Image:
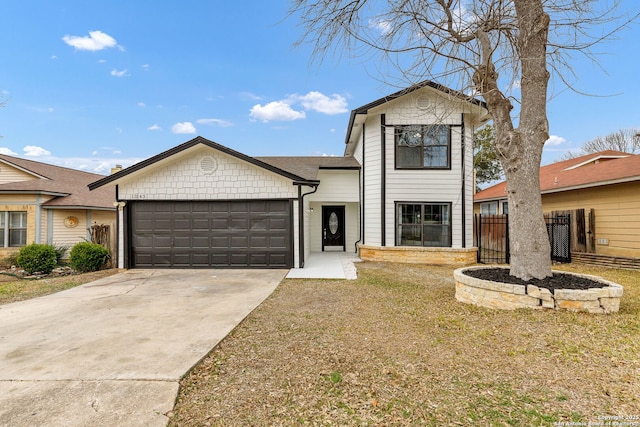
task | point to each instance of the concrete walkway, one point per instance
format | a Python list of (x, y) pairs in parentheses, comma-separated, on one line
[(111, 352), (327, 265)]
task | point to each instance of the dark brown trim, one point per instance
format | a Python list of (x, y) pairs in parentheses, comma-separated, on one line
[(383, 179), (363, 190), (464, 184), (195, 141), (346, 168)]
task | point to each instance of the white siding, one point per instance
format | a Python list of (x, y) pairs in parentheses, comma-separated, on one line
[(336, 186), (184, 180), (372, 184), (296, 234), (352, 225), (443, 186)]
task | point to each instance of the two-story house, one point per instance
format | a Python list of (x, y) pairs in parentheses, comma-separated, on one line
[(403, 191)]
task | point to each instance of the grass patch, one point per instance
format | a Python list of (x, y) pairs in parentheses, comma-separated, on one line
[(395, 348), (13, 289)]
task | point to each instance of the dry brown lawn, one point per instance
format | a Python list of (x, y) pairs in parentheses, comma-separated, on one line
[(14, 289), (395, 348)]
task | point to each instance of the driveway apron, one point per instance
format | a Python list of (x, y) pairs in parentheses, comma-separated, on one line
[(112, 352)]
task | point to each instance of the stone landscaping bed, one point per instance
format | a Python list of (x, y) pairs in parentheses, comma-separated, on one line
[(493, 287)]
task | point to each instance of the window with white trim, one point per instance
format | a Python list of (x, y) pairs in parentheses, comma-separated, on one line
[(489, 208), (13, 228)]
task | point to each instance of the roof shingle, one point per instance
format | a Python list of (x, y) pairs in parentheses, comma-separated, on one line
[(590, 170), (70, 185)]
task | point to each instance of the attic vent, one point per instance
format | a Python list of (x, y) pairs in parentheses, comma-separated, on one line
[(423, 102), (208, 165)]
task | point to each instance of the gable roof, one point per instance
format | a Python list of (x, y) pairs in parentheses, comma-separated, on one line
[(68, 186), (363, 110), (590, 170), (294, 170)]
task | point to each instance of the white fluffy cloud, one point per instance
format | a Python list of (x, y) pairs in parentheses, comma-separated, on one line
[(119, 73), (276, 111), (219, 122), (316, 101), (555, 140), (35, 151), (313, 101), (183, 128), (7, 151), (154, 127), (96, 40)]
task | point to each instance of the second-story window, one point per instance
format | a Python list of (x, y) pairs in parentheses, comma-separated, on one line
[(423, 147)]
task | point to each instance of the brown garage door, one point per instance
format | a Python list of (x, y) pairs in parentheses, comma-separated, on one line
[(254, 233)]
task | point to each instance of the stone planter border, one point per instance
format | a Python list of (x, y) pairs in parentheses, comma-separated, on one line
[(507, 296)]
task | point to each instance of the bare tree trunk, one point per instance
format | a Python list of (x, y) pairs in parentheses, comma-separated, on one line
[(520, 149), (531, 253)]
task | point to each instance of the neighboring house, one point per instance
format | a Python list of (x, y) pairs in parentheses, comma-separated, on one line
[(607, 182), (42, 203), (403, 190)]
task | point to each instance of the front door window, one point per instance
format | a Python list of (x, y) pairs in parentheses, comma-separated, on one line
[(333, 230)]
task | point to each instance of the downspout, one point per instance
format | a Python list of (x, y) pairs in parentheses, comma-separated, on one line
[(361, 186), (383, 179), (301, 218)]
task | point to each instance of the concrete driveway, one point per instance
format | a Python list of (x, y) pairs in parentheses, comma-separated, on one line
[(111, 352)]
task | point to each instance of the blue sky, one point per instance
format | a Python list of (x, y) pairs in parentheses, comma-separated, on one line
[(92, 84)]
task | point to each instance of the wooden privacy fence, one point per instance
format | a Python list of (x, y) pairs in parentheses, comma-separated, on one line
[(569, 231)]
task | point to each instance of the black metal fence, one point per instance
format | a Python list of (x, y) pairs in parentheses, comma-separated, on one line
[(492, 237)]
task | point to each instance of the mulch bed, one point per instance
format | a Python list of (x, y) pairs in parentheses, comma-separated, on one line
[(558, 281)]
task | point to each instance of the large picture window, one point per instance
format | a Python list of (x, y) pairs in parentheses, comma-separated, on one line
[(423, 147), (13, 228), (423, 224)]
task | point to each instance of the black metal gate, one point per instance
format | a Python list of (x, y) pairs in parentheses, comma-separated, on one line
[(559, 231), (492, 237)]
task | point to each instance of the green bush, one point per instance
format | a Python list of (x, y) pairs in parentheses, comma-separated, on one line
[(37, 258), (86, 256)]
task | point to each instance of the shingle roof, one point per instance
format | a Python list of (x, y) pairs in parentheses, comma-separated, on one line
[(307, 167), (426, 83), (69, 185), (591, 170), (295, 168)]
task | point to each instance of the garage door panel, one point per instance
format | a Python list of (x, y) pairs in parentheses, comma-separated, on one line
[(276, 242), (201, 234), (239, 242), (278, 224), (259, 242), (162, 242), (201, 242), (220, 242), (202, 224)]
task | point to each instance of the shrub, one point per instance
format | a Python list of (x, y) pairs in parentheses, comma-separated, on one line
[(11, 259), (37, 258), (60, 253), (86, 256)]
